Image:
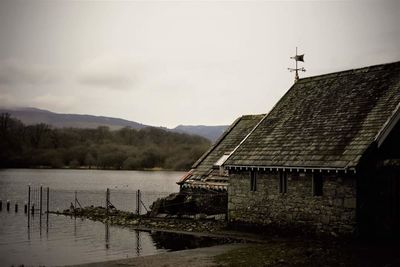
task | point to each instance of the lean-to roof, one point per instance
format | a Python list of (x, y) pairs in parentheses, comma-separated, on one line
[(229, 140)]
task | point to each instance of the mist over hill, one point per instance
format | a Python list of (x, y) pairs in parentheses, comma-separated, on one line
[(31, 116)]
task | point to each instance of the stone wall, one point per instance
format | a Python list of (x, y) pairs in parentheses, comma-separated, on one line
[(334, 212)]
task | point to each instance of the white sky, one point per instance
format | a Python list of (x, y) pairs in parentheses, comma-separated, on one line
[(166, 63)]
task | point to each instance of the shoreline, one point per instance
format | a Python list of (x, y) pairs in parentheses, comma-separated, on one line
[(244, 248)]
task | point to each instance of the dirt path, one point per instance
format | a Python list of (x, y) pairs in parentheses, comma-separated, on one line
[(199, 257)]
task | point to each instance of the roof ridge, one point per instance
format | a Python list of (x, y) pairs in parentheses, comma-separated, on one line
[(245, 138), (348, 71)]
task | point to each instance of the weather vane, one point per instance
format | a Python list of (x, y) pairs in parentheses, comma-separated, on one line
[(297, 58)]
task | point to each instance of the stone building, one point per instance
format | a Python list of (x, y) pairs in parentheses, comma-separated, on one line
[(326, 158), (207, 173)]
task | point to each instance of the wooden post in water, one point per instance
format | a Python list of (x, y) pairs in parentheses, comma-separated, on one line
[(29, 206), (107, 200), (16, 207), (41, 200), (8, 205), (29, 196), (25, 208), (1, 204), (47, 210)]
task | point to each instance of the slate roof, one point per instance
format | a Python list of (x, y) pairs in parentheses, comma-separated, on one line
[(325, 121), (202, 171)]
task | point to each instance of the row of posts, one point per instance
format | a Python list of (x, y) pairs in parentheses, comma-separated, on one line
[(30, 205), (8, 204)]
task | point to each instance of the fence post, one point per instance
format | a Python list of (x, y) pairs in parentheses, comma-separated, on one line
[(29, 205), (107, 200), (75, 200), (41, 198), (47, 201), (138, 200)]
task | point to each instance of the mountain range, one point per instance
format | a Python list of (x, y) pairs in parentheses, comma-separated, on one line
[(31, 116)]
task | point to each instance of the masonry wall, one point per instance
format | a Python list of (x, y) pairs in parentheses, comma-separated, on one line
[(334, 211)]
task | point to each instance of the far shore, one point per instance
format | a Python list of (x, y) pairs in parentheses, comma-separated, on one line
[(95, 169)]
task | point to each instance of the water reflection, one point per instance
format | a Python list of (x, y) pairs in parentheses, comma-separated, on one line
[(174, 241), (31, 222), (107, 235), (138, 243), (31, 228), (137, 239)]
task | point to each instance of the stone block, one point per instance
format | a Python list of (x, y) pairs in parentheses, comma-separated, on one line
[(338, 202), (325, 219), (350, 203)]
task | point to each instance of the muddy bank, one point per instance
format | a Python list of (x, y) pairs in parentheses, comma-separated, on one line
[(200, 257)]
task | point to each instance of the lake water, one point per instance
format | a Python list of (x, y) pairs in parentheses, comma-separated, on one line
[(61, 240), (90, 186)]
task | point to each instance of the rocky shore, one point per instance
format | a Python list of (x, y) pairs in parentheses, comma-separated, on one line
[(193, 223)]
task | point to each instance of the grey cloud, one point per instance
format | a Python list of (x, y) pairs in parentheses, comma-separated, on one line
[(109, 73), (107, 80), (13, 72)]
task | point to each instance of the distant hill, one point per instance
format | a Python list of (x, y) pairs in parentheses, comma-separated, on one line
[(31, 116), (210, 132)]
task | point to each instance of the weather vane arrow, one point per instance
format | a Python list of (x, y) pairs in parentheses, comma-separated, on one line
[(297, 58)]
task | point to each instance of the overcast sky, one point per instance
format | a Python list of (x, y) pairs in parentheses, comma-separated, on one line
[(166, 63)]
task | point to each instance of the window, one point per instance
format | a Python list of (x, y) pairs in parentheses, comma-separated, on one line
[(283, 182), (253, 181), (317, 184)]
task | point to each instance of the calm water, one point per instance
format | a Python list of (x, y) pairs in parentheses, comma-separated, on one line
[(63, 240), (90, 186)]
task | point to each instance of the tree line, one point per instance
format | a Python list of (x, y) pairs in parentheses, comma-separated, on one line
[(40, 145)]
